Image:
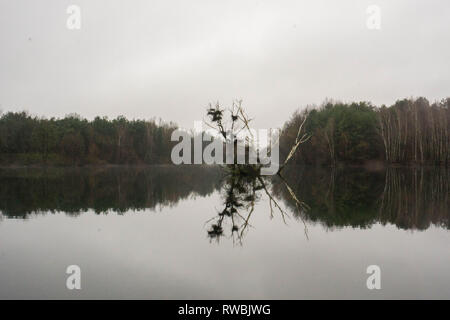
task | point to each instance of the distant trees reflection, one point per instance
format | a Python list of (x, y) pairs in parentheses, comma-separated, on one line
[(117, 189), (410, 198), (416, 198)]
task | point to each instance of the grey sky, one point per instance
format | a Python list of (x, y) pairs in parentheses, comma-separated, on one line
[(168, 59)]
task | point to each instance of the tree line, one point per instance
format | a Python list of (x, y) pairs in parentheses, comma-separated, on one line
[(25, 139), (411, 131)]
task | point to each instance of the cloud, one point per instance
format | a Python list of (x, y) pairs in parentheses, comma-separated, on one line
[(169, 59)]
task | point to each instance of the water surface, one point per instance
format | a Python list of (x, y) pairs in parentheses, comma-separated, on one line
[(146, 233)]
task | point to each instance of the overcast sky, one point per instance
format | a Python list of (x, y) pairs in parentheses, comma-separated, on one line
[(169, 59)]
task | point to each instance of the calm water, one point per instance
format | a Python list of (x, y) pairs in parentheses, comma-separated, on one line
[(191, 232)]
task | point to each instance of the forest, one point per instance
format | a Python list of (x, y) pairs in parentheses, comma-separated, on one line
[(409, 132), (25, 139)]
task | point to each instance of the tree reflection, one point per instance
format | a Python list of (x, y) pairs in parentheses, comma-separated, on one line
[(242, 189), (245, 182), (409, 198), (413, 199), (102, 189), (416, 198)]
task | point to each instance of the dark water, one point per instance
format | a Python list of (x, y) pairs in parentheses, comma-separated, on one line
[(172, 232)]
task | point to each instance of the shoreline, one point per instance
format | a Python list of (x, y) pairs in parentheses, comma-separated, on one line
[(375, 165)]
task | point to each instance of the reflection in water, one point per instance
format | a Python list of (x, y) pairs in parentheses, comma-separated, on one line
[(241, 190), (407, 198), (117, 189), (415, 199), (410, 198), (169, 256)]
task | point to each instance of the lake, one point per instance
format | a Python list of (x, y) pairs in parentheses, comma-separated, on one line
[(190, 232)]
